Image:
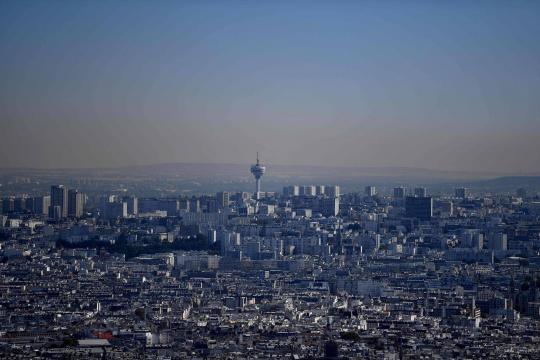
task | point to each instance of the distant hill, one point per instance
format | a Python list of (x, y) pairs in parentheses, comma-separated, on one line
[(508, 182), (241, 170), (288, 174)]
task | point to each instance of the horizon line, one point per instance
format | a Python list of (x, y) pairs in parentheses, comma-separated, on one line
[(351, 167)]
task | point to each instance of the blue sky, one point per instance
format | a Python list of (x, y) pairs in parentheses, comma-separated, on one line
[(438, 84)]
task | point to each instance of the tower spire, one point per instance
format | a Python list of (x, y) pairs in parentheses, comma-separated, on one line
[(258, 171)]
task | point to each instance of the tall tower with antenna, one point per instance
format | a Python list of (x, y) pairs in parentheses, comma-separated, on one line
[(258, 171)]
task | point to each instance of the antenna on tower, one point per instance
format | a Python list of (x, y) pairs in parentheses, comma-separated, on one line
[(257, 158)]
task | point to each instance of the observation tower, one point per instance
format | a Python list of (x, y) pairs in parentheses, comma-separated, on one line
[(258, 171)]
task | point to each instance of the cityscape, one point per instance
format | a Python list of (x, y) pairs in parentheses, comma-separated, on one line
[(304, 180), (304, 273)]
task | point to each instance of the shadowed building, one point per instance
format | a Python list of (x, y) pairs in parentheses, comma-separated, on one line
[(59, 199), (75, 203), (419, 207)]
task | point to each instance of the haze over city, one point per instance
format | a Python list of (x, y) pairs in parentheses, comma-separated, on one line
[(447, 85), (269, 179)]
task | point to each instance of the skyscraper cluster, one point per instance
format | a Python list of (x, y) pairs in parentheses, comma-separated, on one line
[(65, 203)]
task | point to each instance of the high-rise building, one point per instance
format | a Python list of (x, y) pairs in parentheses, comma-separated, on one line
[(461, 193), (210, 205), (55, 212), (59, 197), (211, 235), (183, 204), (329, 206), (114, 210), (29, 204), (222, 200), (8, 205), (41, 204), (258, 171), (370, 191), (498, 241), (292, 190), (399, 192), (419, 207), (150, 205), (19, 204), (478, 241), (75, 203), (332, 190), (132, 204), (170, 206), (320, 190), (308, 190), (194, 205), (420, 192)]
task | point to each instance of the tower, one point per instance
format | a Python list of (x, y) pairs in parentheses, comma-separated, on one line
[(59, 198), (258, 171), (75, 203)]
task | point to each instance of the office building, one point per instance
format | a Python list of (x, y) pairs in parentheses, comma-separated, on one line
[(55, 212), (332, 190), (370, 191), (29, 204), (114, 210), (399, 192), (150, 205), (8, 205), (329, 206), (212, 236), (498, 241), (222, 200), (41, 204), (19, 204), (419, 207), (308, 190), (183, 204), (478, 241), (132, 205), (194, 205), (75, 203), (290, 191), (59, 198), (420, 192)]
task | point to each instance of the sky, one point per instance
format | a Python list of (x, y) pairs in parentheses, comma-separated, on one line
[(448, 85)]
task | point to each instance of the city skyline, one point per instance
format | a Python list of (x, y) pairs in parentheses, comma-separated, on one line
[(305, 179), (447, 86)]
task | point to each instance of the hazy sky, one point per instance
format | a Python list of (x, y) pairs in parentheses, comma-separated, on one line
[(449, 85)]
